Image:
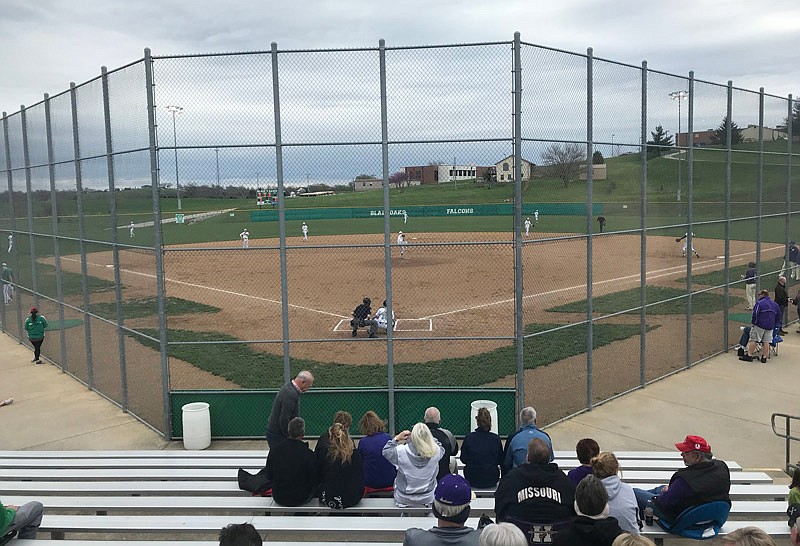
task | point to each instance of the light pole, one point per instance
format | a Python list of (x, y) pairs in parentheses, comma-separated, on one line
[(216, 150), (612, 144), (173, 109), (679, 96)]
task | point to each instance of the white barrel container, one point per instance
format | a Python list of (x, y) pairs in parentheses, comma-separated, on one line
[(489, 405), (196, 426)]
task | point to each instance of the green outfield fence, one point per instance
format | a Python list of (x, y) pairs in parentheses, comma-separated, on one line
[(126, 200)]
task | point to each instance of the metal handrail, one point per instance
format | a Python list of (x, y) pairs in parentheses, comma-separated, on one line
[(787, 435)]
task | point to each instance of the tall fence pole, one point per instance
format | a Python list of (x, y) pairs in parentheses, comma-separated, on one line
[(51, 170), (589, 223), (158, 243), (28, 188), (726, 291), (689, 218), (760, 196), (112, 204), (789, 137), (387, 237), (11, 209), (643, 238), (519, 325), (276, 100), (76, 146)]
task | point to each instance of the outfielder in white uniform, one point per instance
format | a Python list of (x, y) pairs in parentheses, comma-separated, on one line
[(401, 241), (132, 226), (527, 226), (536, 215), (7, 279), (304, 229), (245, 237), (405, 217), (10, 242)]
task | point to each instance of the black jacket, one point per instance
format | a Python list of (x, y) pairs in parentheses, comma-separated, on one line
[(583, 531), (342, 485), (709, 481), (781, 296), (291, 467), (450, 445), (539, 493), (285, 407)]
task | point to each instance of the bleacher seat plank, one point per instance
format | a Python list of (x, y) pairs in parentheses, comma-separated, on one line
[(50, 542), (233, 463)]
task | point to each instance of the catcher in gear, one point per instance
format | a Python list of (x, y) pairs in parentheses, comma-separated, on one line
[(361, 318)]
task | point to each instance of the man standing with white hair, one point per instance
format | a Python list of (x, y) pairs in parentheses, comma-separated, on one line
[(286, 407), (451, 506), (433, 418), (517, 444)]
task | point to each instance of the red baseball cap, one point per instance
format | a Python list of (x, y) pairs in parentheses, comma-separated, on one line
[(34, 309), (693, 443)]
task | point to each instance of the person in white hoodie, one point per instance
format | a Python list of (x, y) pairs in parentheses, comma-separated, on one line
[(416, 455), (621, 498)]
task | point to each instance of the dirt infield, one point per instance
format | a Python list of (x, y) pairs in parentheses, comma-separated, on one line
[(452, 284)]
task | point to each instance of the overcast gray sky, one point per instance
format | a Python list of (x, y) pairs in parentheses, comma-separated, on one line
[(48, 43)]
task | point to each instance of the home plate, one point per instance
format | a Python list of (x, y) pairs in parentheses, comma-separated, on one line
[(110, 266)]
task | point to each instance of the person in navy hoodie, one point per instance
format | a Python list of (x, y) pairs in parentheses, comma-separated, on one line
[(482, 453), (378, 472)]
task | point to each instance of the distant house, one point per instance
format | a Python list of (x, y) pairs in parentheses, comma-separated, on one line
[(505, 169), (699, 138), (366, 184), (440, 174), (750, 134)]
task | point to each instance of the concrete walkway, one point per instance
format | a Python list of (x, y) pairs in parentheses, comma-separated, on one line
[(727, 401)]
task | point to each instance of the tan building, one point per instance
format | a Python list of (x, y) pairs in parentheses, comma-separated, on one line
[(441, 174), (598, 172), (366, 184), (750, 134), (505, 169)]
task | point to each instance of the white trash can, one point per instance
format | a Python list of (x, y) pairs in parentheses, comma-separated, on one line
[(489, 405), (196, 426)]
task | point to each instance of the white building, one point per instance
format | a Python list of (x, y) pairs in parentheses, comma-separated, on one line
[(505, 169)]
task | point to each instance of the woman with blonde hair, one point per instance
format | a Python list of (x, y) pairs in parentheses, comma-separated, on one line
[(415, 454), (341, 472), (378, 472), (321, 450), (621, 498)]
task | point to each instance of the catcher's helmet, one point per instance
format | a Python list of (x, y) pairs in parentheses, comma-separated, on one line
[(367, 301)]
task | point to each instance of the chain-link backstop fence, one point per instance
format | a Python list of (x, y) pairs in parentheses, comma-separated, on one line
[(201, 227)]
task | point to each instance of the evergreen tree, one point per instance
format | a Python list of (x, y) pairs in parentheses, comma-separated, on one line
[(660, 144), (720, 134), (597, 158), (795, 119)]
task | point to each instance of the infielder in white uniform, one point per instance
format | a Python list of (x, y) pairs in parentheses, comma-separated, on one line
[(405, 217), (536, 215), (527, 226), (304, 229), (10, 242), (132, 226), (245, 237), (401, 241), (683, 250)]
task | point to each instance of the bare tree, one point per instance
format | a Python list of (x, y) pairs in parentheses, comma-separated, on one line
[(564, 161)]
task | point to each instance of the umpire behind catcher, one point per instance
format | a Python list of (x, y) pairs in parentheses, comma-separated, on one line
[(361, 318)]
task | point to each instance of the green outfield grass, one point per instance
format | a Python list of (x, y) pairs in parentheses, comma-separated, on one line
[(702, 303), (147, 307), (255, 370)]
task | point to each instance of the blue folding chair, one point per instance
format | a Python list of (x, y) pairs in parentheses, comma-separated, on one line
[(699, 522)]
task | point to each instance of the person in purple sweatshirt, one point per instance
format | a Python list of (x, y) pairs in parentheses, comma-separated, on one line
[(585, 449)]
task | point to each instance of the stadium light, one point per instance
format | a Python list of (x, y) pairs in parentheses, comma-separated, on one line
[(173, 109), (679, 96)]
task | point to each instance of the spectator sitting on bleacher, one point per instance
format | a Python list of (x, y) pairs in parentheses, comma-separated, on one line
[(291, 467), (341, 472), (416, 455), (537, 491), (704, 480), (321, 449), (239, 534), (585, 449), (482, 453), (516, 451), (451, 506), (592, 526), (378, 472), (748, 536), (621, 499), (502, 534), (433, 418), (24, 520)]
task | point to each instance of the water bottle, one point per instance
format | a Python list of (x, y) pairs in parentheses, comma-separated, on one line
[(648, 515)]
